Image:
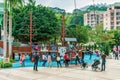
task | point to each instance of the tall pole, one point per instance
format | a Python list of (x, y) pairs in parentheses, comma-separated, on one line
[(63, 29), (31, 31)]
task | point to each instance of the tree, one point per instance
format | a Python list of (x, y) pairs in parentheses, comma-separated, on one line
[(101, 37), (5, 29), (46, 25), (117, 36), (79, 32), (12, 3)]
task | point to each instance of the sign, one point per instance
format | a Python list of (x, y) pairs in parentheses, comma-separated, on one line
[(62, 50)]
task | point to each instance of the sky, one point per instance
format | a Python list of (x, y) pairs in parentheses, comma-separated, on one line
[(68, 5)]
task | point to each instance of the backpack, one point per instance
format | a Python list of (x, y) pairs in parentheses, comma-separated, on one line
[(66, 57), (36, 47)]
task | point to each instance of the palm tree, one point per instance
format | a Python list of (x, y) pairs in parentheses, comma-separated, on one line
[(12, 3), (9, 4), (5, 29)]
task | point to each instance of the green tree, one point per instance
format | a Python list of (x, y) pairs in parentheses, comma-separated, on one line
[(117, 36), (12, 4), (45, 23), (79, 32), (102, 38)]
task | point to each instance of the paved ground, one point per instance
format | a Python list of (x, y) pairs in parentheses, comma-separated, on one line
[(72, 73)]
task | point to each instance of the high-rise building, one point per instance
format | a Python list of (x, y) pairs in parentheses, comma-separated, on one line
[(1, 17), (93, 18), (112, 18)]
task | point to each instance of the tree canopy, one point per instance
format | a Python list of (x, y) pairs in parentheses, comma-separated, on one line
[(45, 24)]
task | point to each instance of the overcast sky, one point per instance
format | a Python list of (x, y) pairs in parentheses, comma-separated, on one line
[(68, 5)]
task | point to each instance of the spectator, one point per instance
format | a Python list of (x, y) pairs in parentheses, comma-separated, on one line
[(44, 58), (77, 58), (49, 60), (36, 58), (58, 60), (66, 59), (22, 60), (103, 65)]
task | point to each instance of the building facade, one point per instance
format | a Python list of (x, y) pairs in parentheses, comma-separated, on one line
[(112, 18), (93, 18), (1, 12)]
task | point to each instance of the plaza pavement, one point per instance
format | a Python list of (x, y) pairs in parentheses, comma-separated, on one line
[(72, 73)]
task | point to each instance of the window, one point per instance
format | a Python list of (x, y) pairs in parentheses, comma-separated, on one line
[(117, 23), (112, 27), (117, 18), (112, 14), (117, 13), (112, 23), (112, 18)]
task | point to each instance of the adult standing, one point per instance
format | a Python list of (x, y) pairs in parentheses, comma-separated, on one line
[(44, 58), (91, 53), (36, 58), (77, 58), (83, 53), (58, 60), (66, 59), (49, 59), (103, 65), (116, 55)]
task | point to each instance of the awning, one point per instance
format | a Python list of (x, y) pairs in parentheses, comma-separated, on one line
[(71, 39)]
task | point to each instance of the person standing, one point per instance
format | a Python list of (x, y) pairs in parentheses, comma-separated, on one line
[(116, 55), (36, 58), (44, 58), (83, 53), (49, 59), (22, 60), (77, 58), (66, 59), (90, 53), (58, 60), (103, 65)]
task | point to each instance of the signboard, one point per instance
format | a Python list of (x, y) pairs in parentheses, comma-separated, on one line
[(62, 50)]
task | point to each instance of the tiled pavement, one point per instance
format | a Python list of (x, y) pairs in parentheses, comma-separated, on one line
[(72, 73)]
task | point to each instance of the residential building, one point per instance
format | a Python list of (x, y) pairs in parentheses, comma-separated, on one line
[(93, 18), (1, 12), (112, 18)]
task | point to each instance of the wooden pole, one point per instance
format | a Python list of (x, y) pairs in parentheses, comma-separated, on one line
[(63, 30), (31, 31)]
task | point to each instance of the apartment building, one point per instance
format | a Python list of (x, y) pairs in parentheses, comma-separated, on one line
[(93, 18), (112, 18), (1, 11)]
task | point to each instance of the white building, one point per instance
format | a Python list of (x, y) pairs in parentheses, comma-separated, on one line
[(93, 18), (112, 18)]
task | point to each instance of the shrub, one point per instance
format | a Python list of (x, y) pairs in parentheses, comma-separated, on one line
[(12, 61), (5, 65), (1, 63)]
